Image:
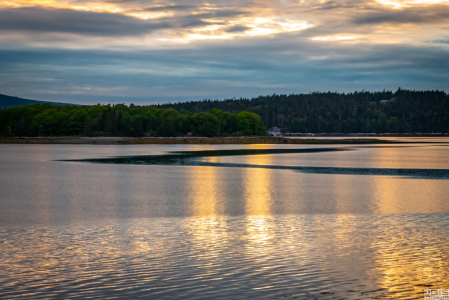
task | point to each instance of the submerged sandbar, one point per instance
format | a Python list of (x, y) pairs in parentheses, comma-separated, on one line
[(188, 140)]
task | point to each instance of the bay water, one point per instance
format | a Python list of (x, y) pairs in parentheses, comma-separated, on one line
[(269, 222)]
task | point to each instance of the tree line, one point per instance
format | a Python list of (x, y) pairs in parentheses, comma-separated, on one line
[(318, 112), (332, 112), (121, 120)]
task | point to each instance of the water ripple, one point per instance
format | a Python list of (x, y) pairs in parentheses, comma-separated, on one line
[(321, 256)]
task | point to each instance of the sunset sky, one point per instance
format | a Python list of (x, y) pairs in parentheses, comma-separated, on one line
[(144, 51)]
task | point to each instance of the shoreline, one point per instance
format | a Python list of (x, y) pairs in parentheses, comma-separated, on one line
[(351, 139)]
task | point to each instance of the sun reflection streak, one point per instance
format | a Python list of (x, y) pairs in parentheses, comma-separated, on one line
[(204, 186), (259, 224), (207, 229), (398, 267), (258, 186)]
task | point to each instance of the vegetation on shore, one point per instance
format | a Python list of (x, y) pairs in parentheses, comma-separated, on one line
[(121, 120), (332, 112), (250, 140), (403, 111)]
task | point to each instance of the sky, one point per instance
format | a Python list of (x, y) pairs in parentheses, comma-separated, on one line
[(146, 51)]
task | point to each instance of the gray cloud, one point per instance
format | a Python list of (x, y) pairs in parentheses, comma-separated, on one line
[(441, 41), (35, 19), (223, 13), (329, 5), (237, 28), (72, 21), (430, 14), (170, 8)]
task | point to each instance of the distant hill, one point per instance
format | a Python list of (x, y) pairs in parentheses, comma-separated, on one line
[(9, 101)]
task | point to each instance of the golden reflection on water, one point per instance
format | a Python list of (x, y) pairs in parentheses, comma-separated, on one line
[(204, 186), (396, 267), (258, 186), (398, 195), (207, 230), (404, 272), (387, 194), (393, 195), (393, 253), (209, 234), (258, 197)]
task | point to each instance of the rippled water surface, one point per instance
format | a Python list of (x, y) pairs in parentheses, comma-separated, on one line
[(277, 223)]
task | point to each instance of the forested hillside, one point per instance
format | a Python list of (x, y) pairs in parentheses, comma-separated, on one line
[(358, 112), (10, 101), (121, 120)]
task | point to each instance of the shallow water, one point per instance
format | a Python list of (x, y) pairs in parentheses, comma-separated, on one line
[(219, 227)]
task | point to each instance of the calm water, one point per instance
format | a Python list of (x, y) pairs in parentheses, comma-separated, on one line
[(316, 224)]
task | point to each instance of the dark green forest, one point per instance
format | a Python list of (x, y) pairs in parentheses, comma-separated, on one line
[(404, 111), (332, 112), (121, 120)]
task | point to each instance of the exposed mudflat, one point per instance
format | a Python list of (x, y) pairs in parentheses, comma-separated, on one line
[(186, 140)]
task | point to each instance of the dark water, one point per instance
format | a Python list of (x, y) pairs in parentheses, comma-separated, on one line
[(272, 221)]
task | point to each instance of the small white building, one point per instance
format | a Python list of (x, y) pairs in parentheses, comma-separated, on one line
[(385, 102), (274, 131)]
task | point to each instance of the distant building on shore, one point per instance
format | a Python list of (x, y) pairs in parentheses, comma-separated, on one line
[(385, 102), (274, 131)]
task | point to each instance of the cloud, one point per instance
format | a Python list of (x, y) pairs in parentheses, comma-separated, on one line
[(35, 19), (431, 14), (238, 28), (223, 13), (32, 19), (170, 8), (282, 64), (329, 5), (441, 41), (79, 54)]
